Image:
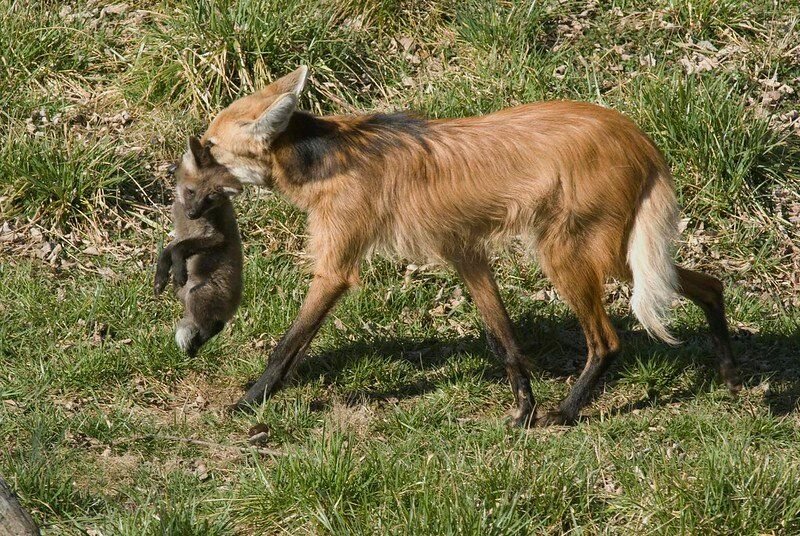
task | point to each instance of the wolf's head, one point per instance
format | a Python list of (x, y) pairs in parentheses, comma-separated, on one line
[(202, 182), (241, 134)]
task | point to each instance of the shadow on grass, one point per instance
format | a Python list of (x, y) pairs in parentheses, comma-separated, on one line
[(556, 349)]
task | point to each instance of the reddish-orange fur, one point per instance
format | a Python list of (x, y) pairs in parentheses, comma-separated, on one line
[(571, 180)]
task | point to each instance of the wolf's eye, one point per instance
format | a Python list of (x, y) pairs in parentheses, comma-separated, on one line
[(190, 192)]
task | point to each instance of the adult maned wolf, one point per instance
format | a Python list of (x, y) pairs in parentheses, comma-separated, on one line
[(580, 184)]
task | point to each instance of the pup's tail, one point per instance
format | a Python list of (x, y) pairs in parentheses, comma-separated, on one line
[(191, 336), (186, 335)]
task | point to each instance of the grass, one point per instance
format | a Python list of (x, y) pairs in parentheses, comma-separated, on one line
[(56, 180), (396, 422), (395, 435), (731, 151)]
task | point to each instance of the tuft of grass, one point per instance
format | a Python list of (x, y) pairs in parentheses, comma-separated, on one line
[(62, 181), (653, 374), (709, 18), (209, 52), (38, 472), (724, 154), (721, 481), (186, 521), (41, 52)]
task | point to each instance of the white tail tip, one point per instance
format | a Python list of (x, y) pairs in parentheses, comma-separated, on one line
[(184, 335), (655, 280)]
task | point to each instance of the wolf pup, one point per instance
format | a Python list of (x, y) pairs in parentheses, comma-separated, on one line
[(206, 255)]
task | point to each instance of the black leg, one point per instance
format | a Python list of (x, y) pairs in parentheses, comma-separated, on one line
[(322, 296)]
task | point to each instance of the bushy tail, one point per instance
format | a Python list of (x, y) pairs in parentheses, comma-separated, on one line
[(186, 334), (191, 336), (655, 281)]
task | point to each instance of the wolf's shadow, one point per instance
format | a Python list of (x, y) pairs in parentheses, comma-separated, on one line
[(556, 349)]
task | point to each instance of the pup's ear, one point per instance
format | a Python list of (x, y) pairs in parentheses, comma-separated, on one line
[(293, 82), (196, 148), (193, 155), (275, 119)]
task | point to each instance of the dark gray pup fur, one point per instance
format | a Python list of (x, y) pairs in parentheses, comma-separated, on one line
[(205, 258)]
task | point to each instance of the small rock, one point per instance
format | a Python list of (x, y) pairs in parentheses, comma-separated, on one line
[(771, 98), (258, 434), (258, 428), (258, 439), (201, 472)]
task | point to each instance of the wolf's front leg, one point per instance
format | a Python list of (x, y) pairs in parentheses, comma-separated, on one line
[(322, 296)]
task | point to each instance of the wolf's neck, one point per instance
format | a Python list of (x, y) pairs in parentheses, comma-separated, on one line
[(316, 148)]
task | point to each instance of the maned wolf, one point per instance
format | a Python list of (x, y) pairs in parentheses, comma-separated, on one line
[(580, 184), (206, 255)]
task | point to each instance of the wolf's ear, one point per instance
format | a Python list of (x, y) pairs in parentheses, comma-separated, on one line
[(231, 187), (293, 82), (275, 119)]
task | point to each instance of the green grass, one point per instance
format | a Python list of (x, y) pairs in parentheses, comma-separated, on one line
[(207, 52), (396, 424), (57, 180), (395, 435), (726, 153)]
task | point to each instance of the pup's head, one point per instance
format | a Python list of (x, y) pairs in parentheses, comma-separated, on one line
[(242, 133), (203, 183)]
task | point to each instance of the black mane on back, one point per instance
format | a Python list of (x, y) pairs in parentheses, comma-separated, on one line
[(321, 147)]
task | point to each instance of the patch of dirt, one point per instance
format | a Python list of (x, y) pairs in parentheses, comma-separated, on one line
[(186, 401), (110, 473), (355, 418), (116, 469)]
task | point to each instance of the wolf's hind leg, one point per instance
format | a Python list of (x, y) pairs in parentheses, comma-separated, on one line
[(706, 292), (578, 275)]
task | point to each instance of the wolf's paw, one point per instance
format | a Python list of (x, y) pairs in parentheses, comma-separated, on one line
[(553, 418)]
